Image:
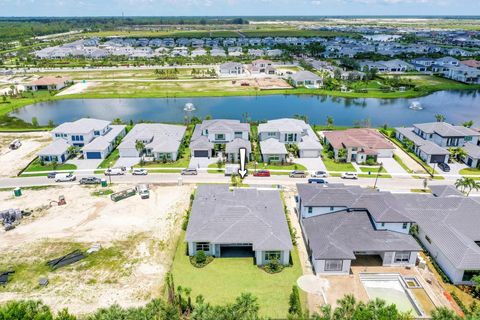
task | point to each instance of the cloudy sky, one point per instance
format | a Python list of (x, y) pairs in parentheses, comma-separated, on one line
[(236, 7)]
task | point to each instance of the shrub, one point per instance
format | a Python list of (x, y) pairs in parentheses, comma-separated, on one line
[(370, 162), (200, 257), (295, 306), (273, 266)]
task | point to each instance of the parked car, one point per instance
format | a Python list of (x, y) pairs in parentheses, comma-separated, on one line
[(319, 174), (15, 144), (65, 177), (115, 172), (90, 180), (262, 173), (143, 191), (317, 180), (297, 174), (51, 175), (189, 172), (349, 175), (444, 167), (139, 172)]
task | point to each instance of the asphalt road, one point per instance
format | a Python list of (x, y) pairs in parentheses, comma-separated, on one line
[(395, 184)]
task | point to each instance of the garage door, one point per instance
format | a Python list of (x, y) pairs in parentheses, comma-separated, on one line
[(200, 153), (437, 159), (94, 155), (310, 154)]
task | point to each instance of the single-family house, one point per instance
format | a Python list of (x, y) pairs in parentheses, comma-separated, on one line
[(471, 63), (346, 226), (57, 151), (430, 141), (230, 135), (83, 133), (306, 79), (232, 69), (161, 141), (262, 66), (360, 144), (239, 223), (464, 74), (48, 83), (287, 131)]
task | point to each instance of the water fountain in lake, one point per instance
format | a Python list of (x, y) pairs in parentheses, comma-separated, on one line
[(415, 105)]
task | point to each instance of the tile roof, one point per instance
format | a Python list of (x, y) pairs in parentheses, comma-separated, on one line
[(161, 137), (240, 216), (472, 150), (49, 80), (445, 129), (272, 146), (367, 139)]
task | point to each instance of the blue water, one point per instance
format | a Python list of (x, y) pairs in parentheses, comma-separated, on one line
[(457, 106)]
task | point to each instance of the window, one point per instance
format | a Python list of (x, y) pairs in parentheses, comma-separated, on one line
[(272, 255), (383, 224), (333, 265), (428, 239), (404, 225), (96, 132), (310, 209), (271, 134), (402, 257), (220, 136), (203, 246), (331, 208)]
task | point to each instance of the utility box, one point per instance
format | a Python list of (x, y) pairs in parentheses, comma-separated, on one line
[(104, 183), (17, 192)]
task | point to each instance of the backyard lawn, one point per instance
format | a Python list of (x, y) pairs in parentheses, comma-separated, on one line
[(36, 166), (224, 279)]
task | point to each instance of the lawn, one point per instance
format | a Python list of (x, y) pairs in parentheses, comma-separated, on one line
[(373, 172), (36, 166), (224, 279), (110, 160), (263, 166), (470, 171), (331, 165)]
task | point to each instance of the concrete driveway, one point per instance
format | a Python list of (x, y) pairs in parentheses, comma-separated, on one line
[(312, 164), (201, 162), (392, 166), (127, 162), (455, 168), (86, 164)]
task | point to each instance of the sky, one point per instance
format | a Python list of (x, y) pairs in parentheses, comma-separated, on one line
[(236, 7)]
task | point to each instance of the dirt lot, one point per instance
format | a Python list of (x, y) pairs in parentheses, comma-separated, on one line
[(138, 238), (12, 161)]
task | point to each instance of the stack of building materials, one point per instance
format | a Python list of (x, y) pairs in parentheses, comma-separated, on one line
[(10, 218), (70, 258)]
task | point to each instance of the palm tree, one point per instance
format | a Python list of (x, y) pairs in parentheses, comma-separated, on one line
[(346, 307), (457, 153), (466, 183), (468, 124), (329, 122), (342, 153), (440, 117), (140, 146)]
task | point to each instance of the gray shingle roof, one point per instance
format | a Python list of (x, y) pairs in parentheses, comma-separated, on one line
[(103, 142), (164, 137), (472, 150), (239, 216), (81, 126), (235, 144), (339, 235), (272, 146), (445, 129), (57, 147)]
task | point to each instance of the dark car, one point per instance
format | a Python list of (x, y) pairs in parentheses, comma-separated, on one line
[(444, 167), (316, 180), (262, 173), (51, 175), (90, 180)]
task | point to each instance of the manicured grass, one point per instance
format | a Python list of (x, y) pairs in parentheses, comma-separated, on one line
[(110, 160), (180, 163), (224, 279), (401, 163), (421, 190), (263, 166), (470, 171), (331, 165), (36, 166), (373, 171)]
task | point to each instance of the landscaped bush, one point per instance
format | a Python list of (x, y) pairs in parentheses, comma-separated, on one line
[(200, 259), (370, 162), (273, 266)]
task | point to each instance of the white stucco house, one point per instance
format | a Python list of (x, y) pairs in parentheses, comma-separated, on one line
[(239, 223)]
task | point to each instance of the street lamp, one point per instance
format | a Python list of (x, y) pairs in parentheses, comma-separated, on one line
[(378, 173)]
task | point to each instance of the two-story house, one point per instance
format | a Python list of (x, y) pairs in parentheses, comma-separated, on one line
[(230, 135), (275, 134), (262, 66), (359, 144), (431, 141), (95, 137), (349, 225)]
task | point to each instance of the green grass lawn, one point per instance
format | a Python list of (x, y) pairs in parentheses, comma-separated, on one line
[(262, 166), (110, 160), (331, 165), (373, 171), (224, 279), (36, 166), (180, 163), (401, 163), (470, 171)]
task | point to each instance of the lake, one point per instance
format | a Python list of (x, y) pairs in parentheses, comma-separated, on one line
[(457, 106)]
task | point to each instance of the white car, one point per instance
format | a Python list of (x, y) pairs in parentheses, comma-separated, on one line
[(114, 172), (349, 175), (139, 172), (65, 177), (320, 174)]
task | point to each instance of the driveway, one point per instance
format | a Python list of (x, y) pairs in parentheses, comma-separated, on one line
[(86, 164), (312, 164), (201, 162), (392, 166), (455, 168), (127, 162)]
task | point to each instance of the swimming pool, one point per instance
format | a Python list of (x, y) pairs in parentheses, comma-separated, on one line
[(391, 289)]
